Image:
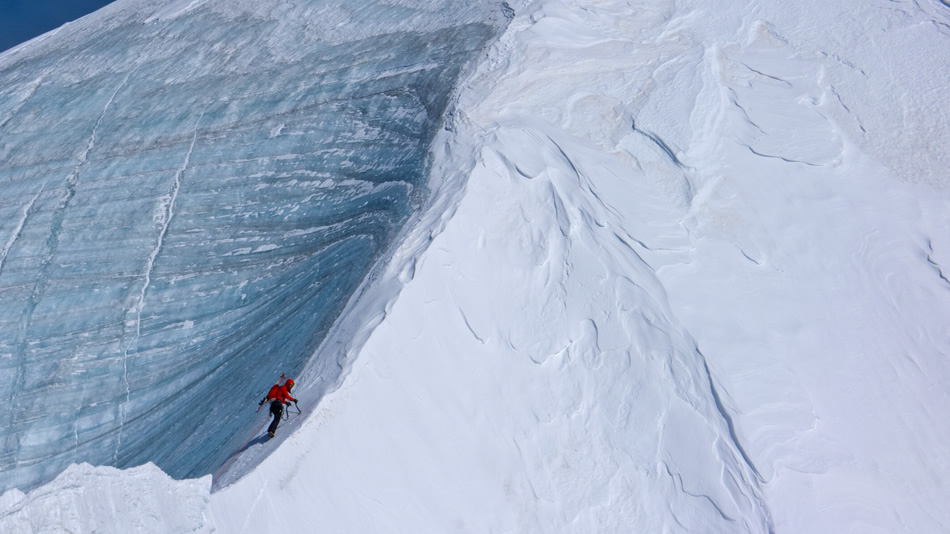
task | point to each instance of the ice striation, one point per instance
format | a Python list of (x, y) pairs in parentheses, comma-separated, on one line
[(188, 202)]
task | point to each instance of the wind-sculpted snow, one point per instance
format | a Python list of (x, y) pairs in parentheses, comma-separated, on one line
[(187, 203)]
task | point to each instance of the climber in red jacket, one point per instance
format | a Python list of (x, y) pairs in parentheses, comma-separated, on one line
[(278, 396)]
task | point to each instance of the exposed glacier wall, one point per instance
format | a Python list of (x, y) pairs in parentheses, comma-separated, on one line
[(188, 202)]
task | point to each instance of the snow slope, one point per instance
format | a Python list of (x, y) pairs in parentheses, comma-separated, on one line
[(686, 270)]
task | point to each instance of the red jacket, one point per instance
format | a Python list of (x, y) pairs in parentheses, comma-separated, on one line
[(280, 393)]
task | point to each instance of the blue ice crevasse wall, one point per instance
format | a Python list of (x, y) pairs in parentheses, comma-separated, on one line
[(188, 198)]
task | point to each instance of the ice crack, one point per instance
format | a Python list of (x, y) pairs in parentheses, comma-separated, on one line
[(42, 279), (764, 75), (469, 326), (27, 210), (679, 483), (169, 212), (935, 264), (30, 93), (730, 424), (659, 142), (786, 160)]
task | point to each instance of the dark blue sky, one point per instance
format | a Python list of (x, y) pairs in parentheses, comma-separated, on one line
[(22, 20)]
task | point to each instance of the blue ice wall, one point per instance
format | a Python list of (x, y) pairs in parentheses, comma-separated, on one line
[(187, 201)]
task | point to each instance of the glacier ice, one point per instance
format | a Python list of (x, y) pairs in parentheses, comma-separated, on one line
[(187, 203)]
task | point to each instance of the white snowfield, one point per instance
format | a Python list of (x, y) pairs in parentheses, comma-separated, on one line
[(686, 271)]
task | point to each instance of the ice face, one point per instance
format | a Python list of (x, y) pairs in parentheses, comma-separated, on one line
[(189, 194)]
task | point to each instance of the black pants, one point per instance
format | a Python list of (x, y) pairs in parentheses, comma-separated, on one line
[(276, 408)]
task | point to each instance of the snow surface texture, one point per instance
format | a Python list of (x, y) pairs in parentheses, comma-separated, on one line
[(103, 499), (695, 280), (189, 195)]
